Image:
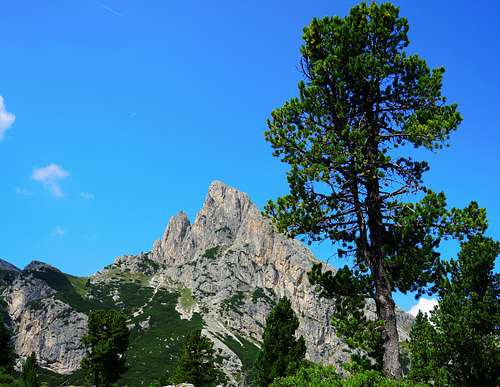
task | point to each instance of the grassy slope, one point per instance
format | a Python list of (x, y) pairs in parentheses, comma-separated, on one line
[(152, 351)]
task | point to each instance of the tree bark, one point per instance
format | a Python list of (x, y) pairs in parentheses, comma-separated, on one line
[(386, 311), (386, 308)]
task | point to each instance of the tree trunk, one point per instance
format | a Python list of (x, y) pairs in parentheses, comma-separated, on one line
[(386, 308), (386, 311)]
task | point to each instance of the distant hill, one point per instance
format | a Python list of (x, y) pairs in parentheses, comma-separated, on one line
[(222, 273)]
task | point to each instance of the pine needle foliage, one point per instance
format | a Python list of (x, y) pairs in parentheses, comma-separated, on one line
[(282, 353), (106, 342)]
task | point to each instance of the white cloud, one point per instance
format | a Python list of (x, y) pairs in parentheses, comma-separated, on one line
[(59, 232), (22, 191), (50, 176), (6, 119), (87, 195), (424, 305)]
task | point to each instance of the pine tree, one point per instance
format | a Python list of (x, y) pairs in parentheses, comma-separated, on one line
[(106, 342), (7, 354), (29, 373), (426, 361), (196, 362), (459, 346), (363, 104), (281, 353)]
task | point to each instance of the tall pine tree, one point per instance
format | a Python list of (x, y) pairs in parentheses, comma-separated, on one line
[(363, 104), (281, 353), (106, 342), (459, 346)]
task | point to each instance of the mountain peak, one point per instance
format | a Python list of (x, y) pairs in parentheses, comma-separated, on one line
[(221, 193), (4, 265), (218, 184), (39, 266), (225, 203)]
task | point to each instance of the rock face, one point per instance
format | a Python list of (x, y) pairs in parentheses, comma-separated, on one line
[(237, 266), (228, 268), (44, 325)]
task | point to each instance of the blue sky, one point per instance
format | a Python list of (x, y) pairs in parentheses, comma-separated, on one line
[(125, 111)]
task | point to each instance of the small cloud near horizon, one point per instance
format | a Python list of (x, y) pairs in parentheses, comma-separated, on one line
[(22, 191), (6, 119), (59, 231), (87, 195), (424, 305), (50, 177)]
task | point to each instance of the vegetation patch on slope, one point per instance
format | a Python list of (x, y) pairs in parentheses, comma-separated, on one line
[(153, 351), (259, 294), (186, 298), (244, 349), (234, 303), (212, 252), (69, 289)]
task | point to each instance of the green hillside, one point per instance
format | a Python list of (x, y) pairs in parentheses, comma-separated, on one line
[(157, 330)]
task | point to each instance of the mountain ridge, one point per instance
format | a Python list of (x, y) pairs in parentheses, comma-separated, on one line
[(223, 273)]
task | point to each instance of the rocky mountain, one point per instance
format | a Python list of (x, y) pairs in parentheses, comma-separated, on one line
[(222, 273)]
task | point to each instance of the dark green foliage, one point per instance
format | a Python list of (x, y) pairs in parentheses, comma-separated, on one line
[(6, 277), (7, 380), (29, 374), (7, 354), (426, 361), (212, 253), (226, 230), (234, 303), (281, 353), (245, 350), (147, 265), (260, 294), (363, 104), (66, 292), (52, 379), (151, 352), (315, 375), (106, 342), (377, 379), (196, 362), (132, 295), (326, 376), (461, 346)]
